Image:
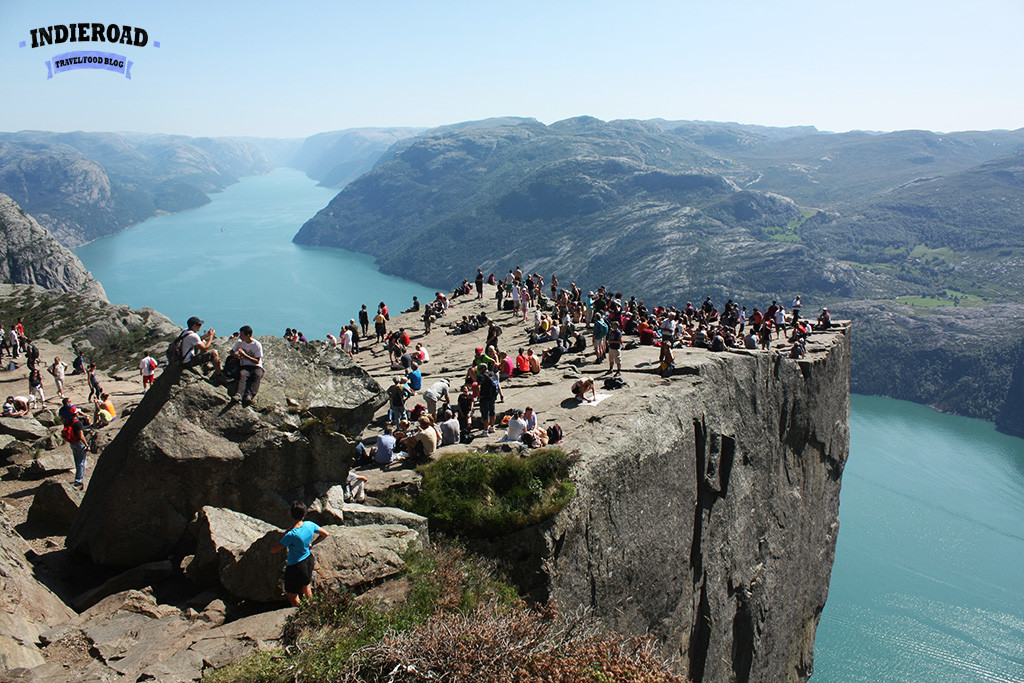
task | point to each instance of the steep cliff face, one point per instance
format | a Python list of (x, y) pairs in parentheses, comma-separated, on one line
[(707, 512), (30, 255), (1011, 418)]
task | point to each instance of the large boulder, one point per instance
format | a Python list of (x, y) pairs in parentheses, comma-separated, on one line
[(55, 502), (236, 551), (222, 537), (187, 446), (27, 607)]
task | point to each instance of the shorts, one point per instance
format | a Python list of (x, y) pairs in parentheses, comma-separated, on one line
[(486, 408), (613, 355), (299, 575)]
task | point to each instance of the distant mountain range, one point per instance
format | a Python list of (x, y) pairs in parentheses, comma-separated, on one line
[(914, 234), (919, 222)]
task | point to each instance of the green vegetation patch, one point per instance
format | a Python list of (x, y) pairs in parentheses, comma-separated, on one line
[(946, 297), (488, 494)]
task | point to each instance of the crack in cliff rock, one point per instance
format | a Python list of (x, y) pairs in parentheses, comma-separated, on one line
[(700, 636)]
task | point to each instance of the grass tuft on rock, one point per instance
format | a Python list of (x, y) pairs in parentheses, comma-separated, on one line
[(489, 494)]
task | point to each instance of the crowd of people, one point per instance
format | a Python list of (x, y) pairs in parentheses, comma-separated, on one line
[(600, 324)]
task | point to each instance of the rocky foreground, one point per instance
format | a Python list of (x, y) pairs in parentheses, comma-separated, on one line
[(706, 510)]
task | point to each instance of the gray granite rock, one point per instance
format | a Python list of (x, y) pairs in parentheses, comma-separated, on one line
[(187, 446), (55, 502), (23, 428)]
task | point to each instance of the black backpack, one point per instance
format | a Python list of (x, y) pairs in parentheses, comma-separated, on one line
[(174, 354), (554, 434), (489, 385)]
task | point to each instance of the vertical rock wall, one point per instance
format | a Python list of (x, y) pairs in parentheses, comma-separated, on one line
[(707, 511)]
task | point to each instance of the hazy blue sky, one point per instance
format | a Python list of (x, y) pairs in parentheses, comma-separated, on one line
[(292, 69)]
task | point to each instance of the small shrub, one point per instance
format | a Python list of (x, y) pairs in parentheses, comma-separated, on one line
[(485, 494)]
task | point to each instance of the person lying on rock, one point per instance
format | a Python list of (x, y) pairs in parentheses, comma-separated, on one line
[(298, 573)]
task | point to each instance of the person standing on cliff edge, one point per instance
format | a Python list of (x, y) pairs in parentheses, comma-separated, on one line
[(298, 573)]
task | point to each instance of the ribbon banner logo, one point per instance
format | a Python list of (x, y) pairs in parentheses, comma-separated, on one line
[(70, 61), (83, 32)]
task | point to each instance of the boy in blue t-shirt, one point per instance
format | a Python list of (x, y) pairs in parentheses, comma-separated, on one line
[(298, 574)]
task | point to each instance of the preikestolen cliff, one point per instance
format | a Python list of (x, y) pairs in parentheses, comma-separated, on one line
[(680, 524)]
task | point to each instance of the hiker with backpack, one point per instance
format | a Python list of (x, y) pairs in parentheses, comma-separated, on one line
[(74, 434), (489, 389), (147, 367), (191, 349)]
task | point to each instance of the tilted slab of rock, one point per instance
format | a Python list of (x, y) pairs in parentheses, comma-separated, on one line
[(23, 428), (27, 607), (55, 502), (222, 538), (185, 446), (331, 508)]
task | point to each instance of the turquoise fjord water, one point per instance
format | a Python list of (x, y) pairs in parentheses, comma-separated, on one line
[(927, 581), (232, 262)]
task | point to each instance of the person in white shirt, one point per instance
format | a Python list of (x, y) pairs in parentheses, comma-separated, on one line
[(57, 370), (147, 366), (346, 340), (197, 349), (249, 353), (516, 427)]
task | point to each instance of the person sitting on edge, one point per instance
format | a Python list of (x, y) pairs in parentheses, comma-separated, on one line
[(355, 488), (506, 367), (249, 352), (197, 349), (423, 443), (824, 320), (531, 418), (516, 427), (298, 574)]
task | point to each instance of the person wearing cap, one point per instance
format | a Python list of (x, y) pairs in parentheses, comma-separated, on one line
[(79, 447), (196, 349)]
